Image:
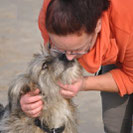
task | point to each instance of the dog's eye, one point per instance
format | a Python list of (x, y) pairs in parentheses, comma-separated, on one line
[(44, 66)]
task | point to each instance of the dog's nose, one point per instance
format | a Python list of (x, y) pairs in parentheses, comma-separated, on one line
[(62, 57)]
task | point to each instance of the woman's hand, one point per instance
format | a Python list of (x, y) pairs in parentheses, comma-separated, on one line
[(31, 103), (69, 91)]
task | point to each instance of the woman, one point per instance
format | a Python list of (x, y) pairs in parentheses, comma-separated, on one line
[(97, 33)]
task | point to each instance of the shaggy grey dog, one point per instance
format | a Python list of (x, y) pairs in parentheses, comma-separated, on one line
[(58, 114)]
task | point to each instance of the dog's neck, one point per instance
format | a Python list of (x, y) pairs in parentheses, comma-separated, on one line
[(45, 128)]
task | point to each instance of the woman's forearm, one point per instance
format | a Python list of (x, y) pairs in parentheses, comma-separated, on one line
[(104, 82)]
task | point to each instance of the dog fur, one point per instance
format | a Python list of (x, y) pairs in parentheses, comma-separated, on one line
[(44, 71)]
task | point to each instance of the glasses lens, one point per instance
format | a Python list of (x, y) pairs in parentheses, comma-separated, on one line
[(54, 49)]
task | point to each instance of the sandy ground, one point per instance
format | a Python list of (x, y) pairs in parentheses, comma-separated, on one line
[(19, 39)]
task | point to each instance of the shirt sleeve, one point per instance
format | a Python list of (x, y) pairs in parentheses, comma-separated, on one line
[(41, 21), (124, 76)]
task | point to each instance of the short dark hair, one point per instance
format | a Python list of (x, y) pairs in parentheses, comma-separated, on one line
[(65, 17)]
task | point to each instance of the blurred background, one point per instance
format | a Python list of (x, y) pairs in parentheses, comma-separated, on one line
[(19, 39)]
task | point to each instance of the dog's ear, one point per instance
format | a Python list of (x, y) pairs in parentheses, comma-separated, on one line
[(44, 49), (19, 86), (37, 63)]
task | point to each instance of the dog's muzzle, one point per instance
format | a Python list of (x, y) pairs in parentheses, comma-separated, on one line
[(45, 128)]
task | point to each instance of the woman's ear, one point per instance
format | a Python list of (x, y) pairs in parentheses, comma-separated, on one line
[(98, 26)]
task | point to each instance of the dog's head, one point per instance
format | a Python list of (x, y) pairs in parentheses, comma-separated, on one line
[(44, 71), (53, 64)]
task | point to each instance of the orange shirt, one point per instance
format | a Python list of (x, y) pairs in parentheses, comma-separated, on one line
[(114, 44)]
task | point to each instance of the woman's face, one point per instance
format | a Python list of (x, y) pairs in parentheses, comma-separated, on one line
[(73, 45)]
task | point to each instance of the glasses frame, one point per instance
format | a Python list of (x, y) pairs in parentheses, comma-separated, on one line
[(55, 49)]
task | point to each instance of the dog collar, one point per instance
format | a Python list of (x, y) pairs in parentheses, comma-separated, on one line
[(45, 128)]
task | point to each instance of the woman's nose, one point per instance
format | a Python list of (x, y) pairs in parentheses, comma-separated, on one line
[(70, 57)]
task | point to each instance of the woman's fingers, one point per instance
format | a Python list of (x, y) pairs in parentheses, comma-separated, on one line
[(66, 93), (35, 111), (31, 103), (36, 115), (27, 99), (36, 92), (71, 90)]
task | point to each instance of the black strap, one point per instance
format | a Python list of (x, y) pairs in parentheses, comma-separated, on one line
[(46, 128)]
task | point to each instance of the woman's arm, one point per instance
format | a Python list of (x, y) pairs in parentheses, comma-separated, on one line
[(104, 82)]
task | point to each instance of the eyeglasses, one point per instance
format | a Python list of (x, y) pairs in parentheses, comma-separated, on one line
[(53, 48)]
